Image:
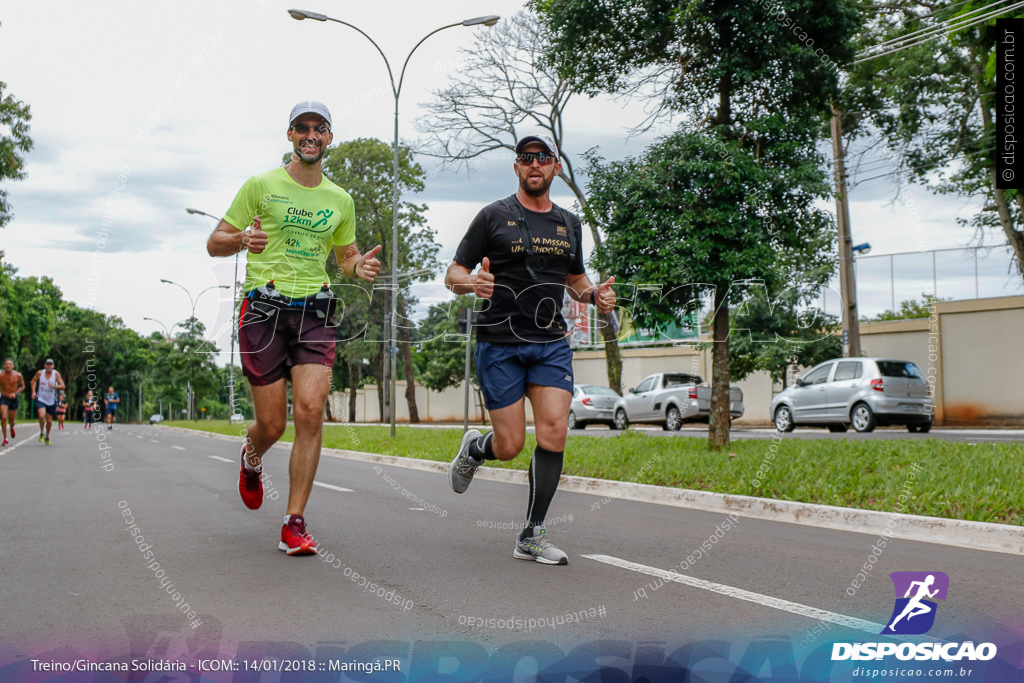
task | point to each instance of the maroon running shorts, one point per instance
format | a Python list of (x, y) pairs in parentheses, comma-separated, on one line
[(271, 341)]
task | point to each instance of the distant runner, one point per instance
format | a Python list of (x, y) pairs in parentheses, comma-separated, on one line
[(110, 402), (88, 408), (62, 409), (45, 385), (11, 384)]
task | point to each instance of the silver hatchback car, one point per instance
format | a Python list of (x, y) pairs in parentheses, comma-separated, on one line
[(592, 404), (863, 392)]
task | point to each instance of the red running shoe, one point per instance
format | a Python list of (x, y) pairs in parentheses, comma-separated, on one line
[(294, 539), (250, 485), (12, 431)]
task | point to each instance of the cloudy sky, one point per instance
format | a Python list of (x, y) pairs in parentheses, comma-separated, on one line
[(141, 109)]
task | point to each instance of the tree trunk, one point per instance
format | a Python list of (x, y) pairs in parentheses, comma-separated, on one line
[(355, 372), (405, 340), (718, 428), (1014, 236), (612, 356)]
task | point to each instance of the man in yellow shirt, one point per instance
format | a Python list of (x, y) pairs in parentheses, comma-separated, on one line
[(289, 219)]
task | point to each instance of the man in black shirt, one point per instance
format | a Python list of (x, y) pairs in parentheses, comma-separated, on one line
[(529, 251)]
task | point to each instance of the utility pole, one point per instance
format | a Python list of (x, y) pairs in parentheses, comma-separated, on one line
[(847, 282)]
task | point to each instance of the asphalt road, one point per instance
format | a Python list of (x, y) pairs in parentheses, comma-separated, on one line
[(74, 577)]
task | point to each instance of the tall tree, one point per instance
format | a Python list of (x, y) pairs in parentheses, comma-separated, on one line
[(14, 139), (932, 95), (364, 168), (691, 214), (507, 88)]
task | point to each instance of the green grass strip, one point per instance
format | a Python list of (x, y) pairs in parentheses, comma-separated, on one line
[(952, 479)]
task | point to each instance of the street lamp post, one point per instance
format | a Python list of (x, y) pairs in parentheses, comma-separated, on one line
[(489, 20), (234, 326), (194, 302)]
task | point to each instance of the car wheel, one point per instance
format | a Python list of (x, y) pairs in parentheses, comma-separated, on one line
[(920, 427), (621, 421), (837, 427), (784, 419), (863, 418), (571, 422), (673, 420)]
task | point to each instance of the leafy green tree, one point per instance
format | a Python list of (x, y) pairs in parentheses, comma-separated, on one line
[(771, 335), (934, 101), (908, 310), (731, 196), (364, 168), (14, 141), (505, 88)]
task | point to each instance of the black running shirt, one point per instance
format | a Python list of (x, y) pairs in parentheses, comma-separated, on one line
[(522, 309)]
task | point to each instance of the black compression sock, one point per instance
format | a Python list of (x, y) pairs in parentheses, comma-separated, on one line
[(545, 470), (481, 449)]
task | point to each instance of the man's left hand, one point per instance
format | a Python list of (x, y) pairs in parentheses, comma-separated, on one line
[(368, 266), (604, 296)]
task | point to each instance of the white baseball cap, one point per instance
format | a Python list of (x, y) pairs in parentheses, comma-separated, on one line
[(310, 107), (545, 140)]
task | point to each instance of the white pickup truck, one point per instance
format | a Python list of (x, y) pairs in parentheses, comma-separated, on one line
[(669, 399)]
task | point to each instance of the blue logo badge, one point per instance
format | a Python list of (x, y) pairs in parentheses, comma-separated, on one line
[(914, 611)]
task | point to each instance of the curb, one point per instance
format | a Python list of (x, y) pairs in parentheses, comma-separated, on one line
[(986, 536)]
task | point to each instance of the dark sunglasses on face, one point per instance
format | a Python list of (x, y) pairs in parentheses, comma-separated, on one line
[(543, 158), (302, 128)]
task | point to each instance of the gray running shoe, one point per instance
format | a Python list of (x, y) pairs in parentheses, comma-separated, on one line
[(463, 467), (539, 549)]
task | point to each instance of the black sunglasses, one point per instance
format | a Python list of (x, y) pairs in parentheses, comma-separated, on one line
[(543, 158), (302, 128)]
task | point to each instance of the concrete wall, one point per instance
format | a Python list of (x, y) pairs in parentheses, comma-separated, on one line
[(971, 353), (969, 350)]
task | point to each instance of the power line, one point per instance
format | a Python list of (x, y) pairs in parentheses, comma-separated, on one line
[(932, 29), (939, 32), (918, 168)]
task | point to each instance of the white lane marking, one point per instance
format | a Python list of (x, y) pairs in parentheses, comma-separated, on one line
[(154, 441), (749, 596), (180, 448), (332, 487), (15, 445), (138, 436), (217, 457)]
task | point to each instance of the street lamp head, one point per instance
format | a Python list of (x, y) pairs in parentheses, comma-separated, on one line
[(191, 210), (299, 15), (167, 281), (863, 249), (489, 20)]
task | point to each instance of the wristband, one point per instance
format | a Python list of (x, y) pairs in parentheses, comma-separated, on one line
[(593, 301)]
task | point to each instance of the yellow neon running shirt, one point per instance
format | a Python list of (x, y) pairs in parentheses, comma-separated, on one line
[(302, 225)]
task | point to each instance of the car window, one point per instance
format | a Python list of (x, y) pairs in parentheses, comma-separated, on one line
[(645, 385), (680, 380), (818, 375), (848, 370), (899, 368), (600, 391)]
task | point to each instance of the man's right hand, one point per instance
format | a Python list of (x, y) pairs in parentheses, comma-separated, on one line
[(483, 281), (255, 240)]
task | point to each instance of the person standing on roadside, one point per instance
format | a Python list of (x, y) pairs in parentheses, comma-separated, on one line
[(290, 219), (529, 252), (48, 382), (88, 406), (11, 384)]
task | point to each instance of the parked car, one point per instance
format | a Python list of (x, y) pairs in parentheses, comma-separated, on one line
[(592, 404), (863, 392), (153, 419), (671, 398), (236, 417)]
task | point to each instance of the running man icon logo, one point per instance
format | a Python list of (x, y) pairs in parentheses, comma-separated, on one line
[(914, 612)]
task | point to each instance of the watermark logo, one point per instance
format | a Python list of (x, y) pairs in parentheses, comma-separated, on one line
[(914, 612)]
